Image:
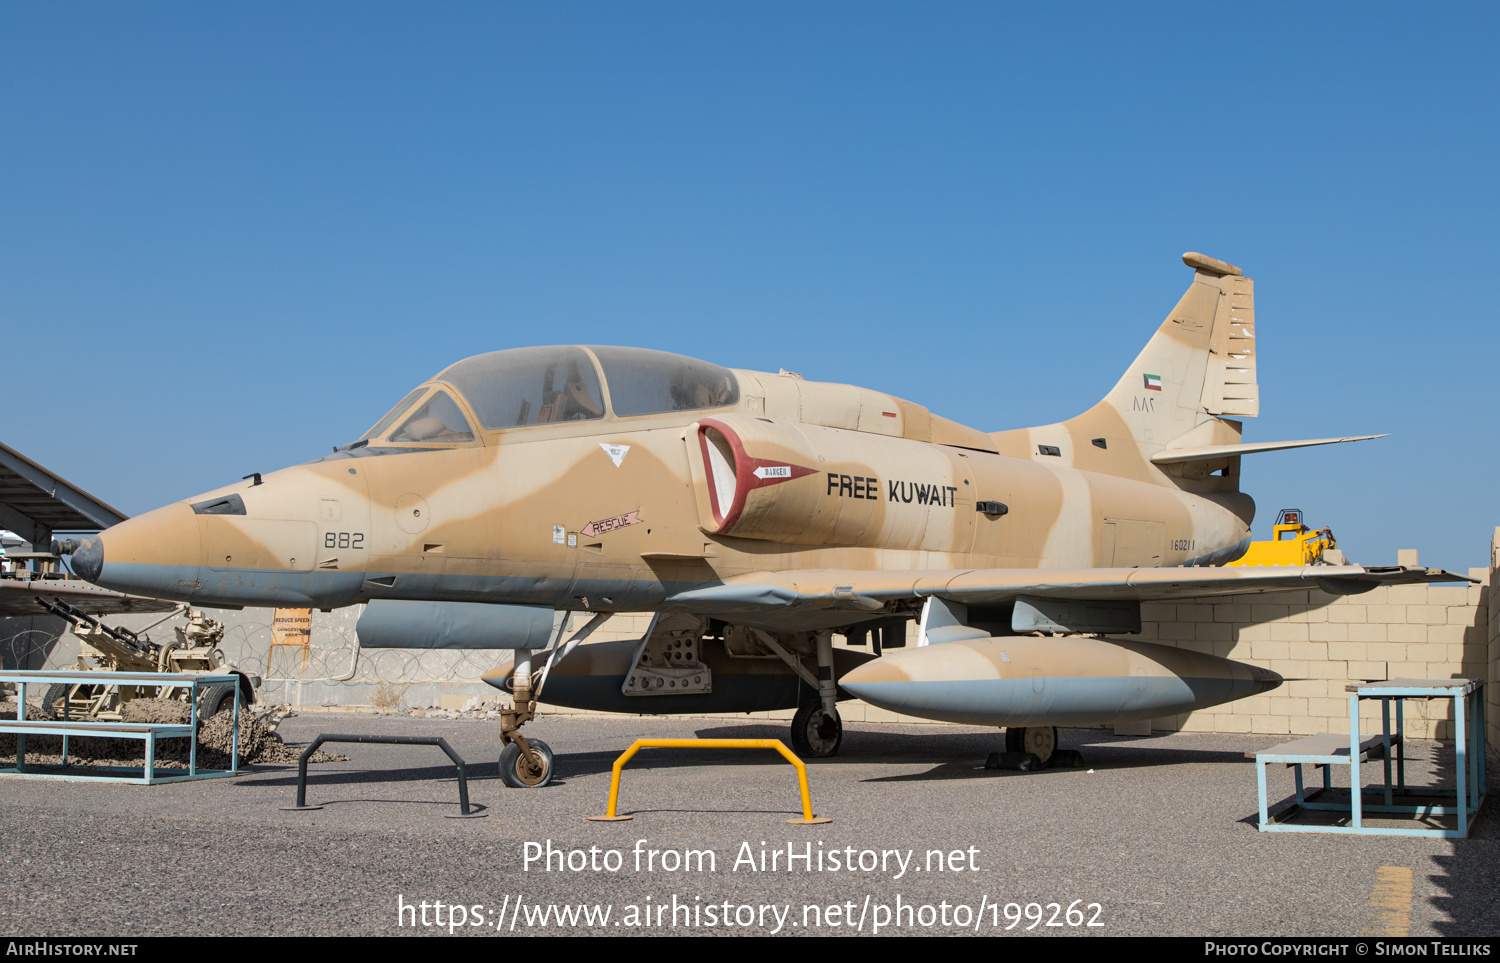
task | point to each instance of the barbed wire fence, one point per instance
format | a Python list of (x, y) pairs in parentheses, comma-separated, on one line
[(331, 676)]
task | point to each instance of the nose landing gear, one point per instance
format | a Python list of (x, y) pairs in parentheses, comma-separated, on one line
[(525, 765)]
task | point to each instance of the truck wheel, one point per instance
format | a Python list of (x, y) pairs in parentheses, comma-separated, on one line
[(56, 700), (215, 699)]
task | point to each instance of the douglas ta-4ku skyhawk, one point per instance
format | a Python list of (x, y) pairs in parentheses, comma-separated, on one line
[(758, 516)]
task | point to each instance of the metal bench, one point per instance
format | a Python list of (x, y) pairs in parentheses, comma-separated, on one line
[(1327, 750), (147, 733)]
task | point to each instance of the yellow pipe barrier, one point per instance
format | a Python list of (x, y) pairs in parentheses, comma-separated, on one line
[(807, 819)]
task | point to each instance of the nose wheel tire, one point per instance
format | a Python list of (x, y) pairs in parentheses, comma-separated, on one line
[(1040, 741), (520, 770), (815, 732)]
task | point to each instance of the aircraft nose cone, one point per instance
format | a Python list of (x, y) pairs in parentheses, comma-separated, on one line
[(88, 559)]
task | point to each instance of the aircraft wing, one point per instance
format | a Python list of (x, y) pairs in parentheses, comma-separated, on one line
[(18, 598), (781, 594)]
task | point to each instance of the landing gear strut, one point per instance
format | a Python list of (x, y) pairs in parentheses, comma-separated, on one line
[(523, 764), (817, 729)]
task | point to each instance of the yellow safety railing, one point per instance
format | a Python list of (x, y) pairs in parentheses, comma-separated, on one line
[(614, 780)]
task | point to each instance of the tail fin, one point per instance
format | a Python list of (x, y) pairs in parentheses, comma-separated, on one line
[(1197, 368), (1201, 361)]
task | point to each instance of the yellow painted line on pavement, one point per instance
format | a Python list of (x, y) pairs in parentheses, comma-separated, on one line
[(1391, 901)]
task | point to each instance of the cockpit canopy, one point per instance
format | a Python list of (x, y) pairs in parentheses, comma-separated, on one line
[(549, 385)]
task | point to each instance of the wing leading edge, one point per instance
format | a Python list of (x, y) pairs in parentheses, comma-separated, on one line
[(868, 591)]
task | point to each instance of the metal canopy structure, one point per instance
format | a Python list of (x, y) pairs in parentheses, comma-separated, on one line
[(34, 502)]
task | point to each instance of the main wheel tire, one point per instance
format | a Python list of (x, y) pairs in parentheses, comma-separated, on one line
[(519, 772), (816, 733), (215, 699), (1040, 741)]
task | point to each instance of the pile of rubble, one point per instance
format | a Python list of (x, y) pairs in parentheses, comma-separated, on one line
[(474, 708), (259, 743)]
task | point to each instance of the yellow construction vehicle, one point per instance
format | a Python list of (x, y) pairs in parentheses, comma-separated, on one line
[(1292, 543)]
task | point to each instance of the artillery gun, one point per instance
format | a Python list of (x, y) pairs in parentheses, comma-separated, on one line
[(194, 651)]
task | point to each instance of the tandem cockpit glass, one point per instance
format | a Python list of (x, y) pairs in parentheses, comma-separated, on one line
[(520, 387)]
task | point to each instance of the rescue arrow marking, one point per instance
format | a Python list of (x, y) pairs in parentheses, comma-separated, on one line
[(593, 529)]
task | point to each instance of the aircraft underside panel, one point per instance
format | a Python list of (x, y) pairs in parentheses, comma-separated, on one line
[(594, 677), (758, 692)]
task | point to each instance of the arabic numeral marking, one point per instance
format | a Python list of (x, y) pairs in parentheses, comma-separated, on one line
[(1184, 544), (344, 540), (1075, 915)]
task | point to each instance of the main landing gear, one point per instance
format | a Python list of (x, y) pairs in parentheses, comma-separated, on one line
[(817, 729), (816, 732)]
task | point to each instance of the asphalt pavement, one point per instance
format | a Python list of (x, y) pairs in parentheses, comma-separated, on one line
[(1153, 837)]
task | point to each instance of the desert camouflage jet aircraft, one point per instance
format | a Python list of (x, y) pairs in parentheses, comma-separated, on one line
[(758, 515)]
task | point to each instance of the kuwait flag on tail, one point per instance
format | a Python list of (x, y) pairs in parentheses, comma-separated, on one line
[(1153, 382)]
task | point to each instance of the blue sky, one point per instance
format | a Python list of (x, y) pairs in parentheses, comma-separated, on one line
[(232, 235)]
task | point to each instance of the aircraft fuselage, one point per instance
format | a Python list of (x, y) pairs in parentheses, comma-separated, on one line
[(618, 516)]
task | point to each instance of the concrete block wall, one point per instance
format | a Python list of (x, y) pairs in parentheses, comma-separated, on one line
[(1320, 643)]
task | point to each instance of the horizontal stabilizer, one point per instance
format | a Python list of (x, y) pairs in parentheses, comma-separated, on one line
[(1173, 456)]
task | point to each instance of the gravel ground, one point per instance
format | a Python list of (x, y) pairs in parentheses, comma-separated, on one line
[(1160, 834)]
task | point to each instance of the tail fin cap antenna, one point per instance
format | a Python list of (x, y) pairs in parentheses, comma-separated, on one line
[(1202, 262)]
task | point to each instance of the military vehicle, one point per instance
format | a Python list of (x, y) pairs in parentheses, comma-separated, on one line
[(759, 515), (104, 648)]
